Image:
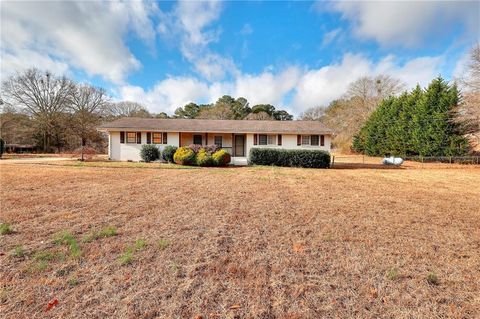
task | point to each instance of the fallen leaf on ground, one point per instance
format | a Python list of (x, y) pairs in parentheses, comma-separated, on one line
[(51, 304), (298, 248)]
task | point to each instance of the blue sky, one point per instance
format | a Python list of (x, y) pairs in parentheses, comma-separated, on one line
[(294, 55)]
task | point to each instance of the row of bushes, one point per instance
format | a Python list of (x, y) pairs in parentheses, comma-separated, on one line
[(290, 158), (209, 155)]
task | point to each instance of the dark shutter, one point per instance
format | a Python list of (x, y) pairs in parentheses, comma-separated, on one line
[(322, 140), (279, 139), (149, 138), (164, 138), (139, 137), (299, 140), (122, 137), (255, 139)]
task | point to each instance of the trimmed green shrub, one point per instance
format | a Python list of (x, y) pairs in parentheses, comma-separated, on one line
[(149, 153), (184, 156), (203, 158), (221, 158), (294, 158), (168, 152)]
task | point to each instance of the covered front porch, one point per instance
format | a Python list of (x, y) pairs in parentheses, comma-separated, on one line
[(235, 144)]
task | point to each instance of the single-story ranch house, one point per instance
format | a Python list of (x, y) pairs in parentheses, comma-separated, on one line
[(127, 135)]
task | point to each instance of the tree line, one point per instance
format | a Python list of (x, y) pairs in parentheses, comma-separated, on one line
[(229, 108)]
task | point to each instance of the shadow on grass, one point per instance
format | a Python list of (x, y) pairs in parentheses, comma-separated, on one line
[(363, 166)]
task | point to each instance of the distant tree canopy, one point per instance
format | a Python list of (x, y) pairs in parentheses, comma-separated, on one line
[(229, 108), (421, 122)]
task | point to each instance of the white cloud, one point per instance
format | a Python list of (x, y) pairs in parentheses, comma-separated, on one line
[(330, 36), (321, 86), (87, 35), (307, 87), (267, 87), (246, 29), (409, 23), (191, 22), (168, 94)]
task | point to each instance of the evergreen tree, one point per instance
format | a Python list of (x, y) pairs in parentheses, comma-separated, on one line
[(417, 123)]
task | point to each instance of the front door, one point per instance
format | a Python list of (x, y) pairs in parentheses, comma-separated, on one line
[(239, 146)]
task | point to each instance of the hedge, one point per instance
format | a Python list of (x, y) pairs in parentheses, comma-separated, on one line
[(293, 158), (149, 153), (168, 153)]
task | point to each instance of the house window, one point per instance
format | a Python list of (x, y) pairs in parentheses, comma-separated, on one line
[(131, 137), (218, 141), (197, 139), (314, 140), (305, 139), (264, 139), (157, 138), (271, 139)]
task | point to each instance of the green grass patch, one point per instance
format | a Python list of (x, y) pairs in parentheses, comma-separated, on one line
[(38, 266), (108, 231), (42, 259), (5, 229), (66, 238), (163, 243), (432, 279), (18, 251), (392, 274), (44, 256), (176, 268), (127, 257), (73, 282), (140, 244)]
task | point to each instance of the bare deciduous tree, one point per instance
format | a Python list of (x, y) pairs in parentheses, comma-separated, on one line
[(127, 109), (348, 114), (369, 91), (313, 114), (264, 116), (87, 103), (469, 110), (42, 95), (217, 112)]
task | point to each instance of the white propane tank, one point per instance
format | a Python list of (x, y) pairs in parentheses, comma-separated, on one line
[(397, 161)]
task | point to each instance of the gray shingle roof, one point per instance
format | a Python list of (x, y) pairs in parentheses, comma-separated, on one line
[(218, 126)]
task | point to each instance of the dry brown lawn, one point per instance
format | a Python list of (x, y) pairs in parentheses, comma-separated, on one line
[(254, 242)]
